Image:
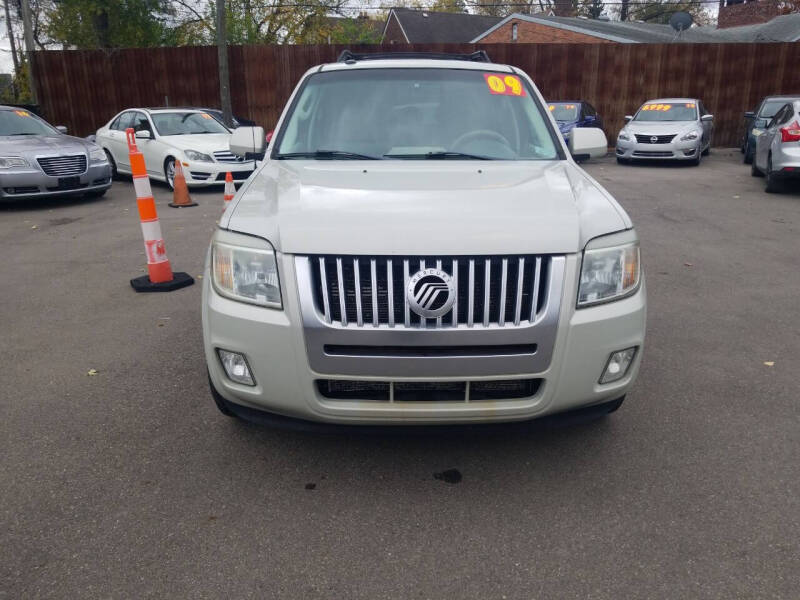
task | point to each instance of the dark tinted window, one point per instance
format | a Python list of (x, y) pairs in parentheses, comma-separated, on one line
[(124, 121), (770, 107)]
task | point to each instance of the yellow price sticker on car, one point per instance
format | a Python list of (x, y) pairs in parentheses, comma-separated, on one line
[(552, 107), (504, 85), (690, 105), (664, 107), (206, 116), (23, 113)]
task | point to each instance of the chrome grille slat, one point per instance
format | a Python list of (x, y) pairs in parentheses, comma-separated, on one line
[(357, 275), (340, 280), (374, 288), (518, 304), (226, 156), (490, 291), (63, 166)]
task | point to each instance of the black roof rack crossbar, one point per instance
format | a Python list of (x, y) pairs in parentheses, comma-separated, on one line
[(477, 56)]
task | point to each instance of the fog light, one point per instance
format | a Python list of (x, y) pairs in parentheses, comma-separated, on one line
[(236, 367), (618, 364)]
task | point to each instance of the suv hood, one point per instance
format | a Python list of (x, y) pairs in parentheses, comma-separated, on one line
[(424, 207)]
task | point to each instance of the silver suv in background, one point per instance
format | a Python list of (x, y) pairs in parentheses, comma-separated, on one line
[(419, 247), (777, 155), (667, 129)]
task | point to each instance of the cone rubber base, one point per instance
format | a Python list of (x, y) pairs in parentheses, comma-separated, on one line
[(179, 280), (173, 205)]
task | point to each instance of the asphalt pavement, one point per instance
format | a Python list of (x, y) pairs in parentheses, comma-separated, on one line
[(128, 483)]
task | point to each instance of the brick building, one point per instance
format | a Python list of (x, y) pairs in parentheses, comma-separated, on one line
[(747, 12)]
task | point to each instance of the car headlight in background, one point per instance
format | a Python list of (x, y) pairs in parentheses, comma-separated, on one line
[(97, 155), (608, 274), (13, 162), (623, 136), (692, 135), (246, 274), (198, 156)]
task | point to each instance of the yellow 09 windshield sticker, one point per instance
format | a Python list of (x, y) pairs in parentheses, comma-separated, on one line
[(500, 84), (206, 116), (22, 113)]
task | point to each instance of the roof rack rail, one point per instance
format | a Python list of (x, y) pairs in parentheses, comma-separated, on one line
[(477, 56)]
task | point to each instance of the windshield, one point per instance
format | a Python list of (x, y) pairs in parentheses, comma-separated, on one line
[(681, 111), (186, 123), (415, 114), (22, 122), (564, 112), (770, 108)]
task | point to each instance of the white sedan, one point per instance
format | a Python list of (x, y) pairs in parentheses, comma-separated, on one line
[(165, 135)]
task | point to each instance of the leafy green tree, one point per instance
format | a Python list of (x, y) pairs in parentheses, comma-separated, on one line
[(109, 23)]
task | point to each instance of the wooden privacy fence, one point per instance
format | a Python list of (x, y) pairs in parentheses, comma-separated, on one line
[(83, 89)]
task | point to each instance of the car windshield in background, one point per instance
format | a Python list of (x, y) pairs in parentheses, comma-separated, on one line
[(679, 111), (564, 112), (416, 114), (178, 123), (22, 122), (770, 108)]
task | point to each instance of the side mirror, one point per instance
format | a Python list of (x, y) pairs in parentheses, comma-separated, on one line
[(62, 128), (628, 118), (749, 114), (144, 134), (588, 142), (248, 142), (707, 118)]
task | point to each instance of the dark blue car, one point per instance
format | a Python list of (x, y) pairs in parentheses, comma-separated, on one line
[(577, 113)]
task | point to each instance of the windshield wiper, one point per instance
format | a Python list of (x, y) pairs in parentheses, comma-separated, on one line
[(328, 155), (443, 155), (27, 133)]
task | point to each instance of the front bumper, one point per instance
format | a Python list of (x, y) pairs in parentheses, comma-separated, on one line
[(33, 183), (274, 344), (199, 174), (675, 150)]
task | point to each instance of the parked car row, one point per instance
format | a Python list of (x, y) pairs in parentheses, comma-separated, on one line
[(664, 128)]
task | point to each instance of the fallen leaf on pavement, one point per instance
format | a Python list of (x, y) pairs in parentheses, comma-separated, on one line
[(92, 372), (688, 264), (769, 363), (34, 227)]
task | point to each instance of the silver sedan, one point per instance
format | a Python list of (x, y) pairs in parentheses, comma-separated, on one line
[(777, 154), (667, 129), (38, 160)]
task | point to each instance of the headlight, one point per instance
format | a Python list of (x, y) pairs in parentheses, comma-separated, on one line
[(13, 162), (96, 155), (692, 135), (608, 274), (624, 136), (246, 274), (199, 156)]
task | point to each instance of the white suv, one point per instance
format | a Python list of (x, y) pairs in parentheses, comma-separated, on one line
[(420, 247)]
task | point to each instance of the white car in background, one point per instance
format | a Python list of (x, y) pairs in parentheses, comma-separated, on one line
[(166, 135)]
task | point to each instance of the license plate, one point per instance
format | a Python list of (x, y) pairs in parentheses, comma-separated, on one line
[(67, 183)]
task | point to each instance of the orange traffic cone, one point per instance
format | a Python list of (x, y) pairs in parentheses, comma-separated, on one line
[(230, 189), (180, 191)]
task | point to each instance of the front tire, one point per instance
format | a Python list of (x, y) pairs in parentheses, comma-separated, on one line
[(622, 161), (112, 162), (748, 154), (96, 193), (169, 172)]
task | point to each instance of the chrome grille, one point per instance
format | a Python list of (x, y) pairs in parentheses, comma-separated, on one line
[(226, 156), (368, 291), (660, 139), (63, 166)]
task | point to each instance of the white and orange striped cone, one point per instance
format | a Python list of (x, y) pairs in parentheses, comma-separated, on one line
[(180, 191), (160, 277), (230, 189)]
